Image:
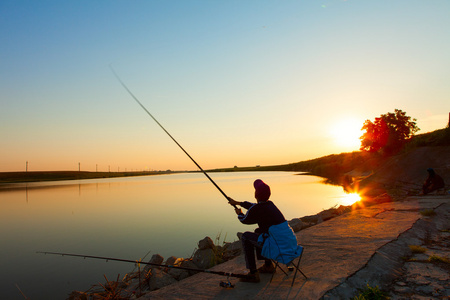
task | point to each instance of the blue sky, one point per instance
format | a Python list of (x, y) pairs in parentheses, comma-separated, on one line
[(235, 82)]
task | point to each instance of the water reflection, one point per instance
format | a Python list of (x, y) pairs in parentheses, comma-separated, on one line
[(127, 217)]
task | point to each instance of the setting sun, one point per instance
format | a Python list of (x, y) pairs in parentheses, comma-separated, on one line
[(351, 198), (346, 133)]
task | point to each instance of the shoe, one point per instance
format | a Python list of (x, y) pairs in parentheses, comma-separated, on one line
[(290, 267), (267, 269), (254, 278)]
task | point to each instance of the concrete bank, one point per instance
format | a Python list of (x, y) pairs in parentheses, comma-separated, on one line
[(341, 255)]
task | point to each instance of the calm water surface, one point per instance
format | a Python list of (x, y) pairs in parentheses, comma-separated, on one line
[(127, 218)]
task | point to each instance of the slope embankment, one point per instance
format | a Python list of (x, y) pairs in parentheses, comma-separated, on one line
[(409, 170)]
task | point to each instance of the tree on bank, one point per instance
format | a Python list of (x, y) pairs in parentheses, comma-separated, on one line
[(388, 133)]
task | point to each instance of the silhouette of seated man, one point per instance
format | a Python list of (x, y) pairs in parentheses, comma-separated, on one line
[(433, 182), (271, 222)]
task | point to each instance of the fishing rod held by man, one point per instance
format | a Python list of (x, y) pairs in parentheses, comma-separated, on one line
[(154, 119)]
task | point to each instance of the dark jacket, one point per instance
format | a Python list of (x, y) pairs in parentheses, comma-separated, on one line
[(265, 214), (433, 182)]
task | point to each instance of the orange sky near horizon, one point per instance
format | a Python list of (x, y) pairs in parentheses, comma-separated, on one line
[(236, 83)]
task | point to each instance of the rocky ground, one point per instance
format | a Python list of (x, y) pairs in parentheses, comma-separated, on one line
[(425, 274), (416, 265)]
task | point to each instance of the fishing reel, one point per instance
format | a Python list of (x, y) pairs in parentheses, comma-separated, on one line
[(226, 284)]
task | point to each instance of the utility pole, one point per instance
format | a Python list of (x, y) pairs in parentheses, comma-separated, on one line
[(96, 168), (79, 167), (26, 168)]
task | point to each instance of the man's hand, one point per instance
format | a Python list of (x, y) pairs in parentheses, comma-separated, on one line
[(233, 202)]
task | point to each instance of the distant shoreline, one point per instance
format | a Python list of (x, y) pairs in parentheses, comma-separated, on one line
[(38, 176), (42, 176), (332, 167)]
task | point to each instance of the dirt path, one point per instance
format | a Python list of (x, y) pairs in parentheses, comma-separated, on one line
[(340, 256)]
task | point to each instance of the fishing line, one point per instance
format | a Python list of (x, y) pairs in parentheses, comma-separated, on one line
[(154, 119)]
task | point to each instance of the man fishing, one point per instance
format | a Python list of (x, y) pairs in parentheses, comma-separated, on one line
[(273, 230)]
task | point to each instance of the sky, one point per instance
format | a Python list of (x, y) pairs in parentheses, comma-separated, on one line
[(236, 83)]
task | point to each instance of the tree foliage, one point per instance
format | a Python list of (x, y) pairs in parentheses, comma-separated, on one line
[(388, 133)]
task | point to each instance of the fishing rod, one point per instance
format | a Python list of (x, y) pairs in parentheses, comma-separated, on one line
[(146, 263), (154, 119)]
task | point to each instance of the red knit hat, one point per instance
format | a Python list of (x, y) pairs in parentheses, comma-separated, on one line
[(262, 190)]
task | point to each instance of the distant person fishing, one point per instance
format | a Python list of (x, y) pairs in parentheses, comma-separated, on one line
[(433, 182)]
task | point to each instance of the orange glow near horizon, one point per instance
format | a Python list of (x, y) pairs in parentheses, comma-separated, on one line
[(351, 198)]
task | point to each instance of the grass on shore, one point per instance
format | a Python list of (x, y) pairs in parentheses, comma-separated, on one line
[(417, 249), (371, 293)]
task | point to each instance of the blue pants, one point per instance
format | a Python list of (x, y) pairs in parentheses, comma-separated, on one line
[(250, 245)]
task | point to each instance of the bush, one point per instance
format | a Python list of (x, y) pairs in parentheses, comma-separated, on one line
[(417, 249), (439, 137), (427, 213), (371, 293), (436, 258)]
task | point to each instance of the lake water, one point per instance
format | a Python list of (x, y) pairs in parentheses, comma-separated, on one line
[(127, 218)]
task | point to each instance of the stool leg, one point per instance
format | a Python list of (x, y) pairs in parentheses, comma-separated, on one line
[(276, 266), (297, 269), (295, 273)]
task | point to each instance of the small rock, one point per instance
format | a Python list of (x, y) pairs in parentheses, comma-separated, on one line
[(204, 258), (178, 274), (156, 259), (160, 279), (426, 289), (326, 215), (188, 263), (206, 243), (342, 209), (310, 219), (296, 224), (319, 219), (402, 289), (234, 246), (171, 260), (232, 250)]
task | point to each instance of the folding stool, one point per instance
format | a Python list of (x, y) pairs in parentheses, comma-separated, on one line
[(290, 265)]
